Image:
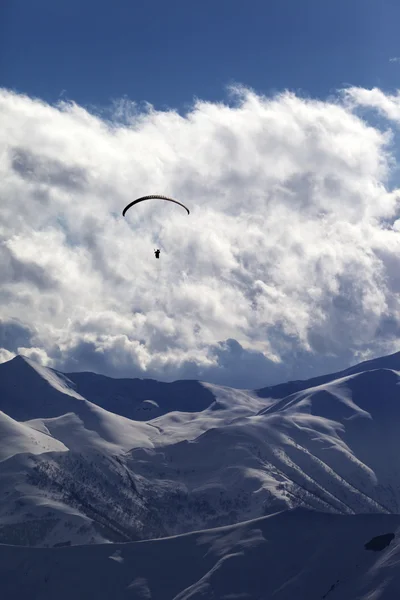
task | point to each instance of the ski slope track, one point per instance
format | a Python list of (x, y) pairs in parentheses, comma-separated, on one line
[(87, 459)]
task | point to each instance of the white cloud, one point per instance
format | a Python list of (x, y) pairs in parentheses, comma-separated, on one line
[(36, 354), (287, 265), (387, 105), (5, 355)]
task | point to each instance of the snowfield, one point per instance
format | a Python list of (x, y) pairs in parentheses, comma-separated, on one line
[(293, 554)]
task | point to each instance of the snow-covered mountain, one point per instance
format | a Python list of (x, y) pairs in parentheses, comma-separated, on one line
[(90, 459), (292, 554)]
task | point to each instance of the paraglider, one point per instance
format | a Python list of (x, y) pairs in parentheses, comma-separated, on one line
[(128, 206), (150, 198)]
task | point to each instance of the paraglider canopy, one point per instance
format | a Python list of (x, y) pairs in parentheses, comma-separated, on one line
[(128, 206)]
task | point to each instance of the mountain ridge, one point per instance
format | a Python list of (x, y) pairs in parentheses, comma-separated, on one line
[(391, 361), (172, 467)]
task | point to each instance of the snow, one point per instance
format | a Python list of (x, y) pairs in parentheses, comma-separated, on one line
[(19, 438), (292, 554), (86, 459)]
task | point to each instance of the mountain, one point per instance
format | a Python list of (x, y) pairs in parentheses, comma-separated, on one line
[(29, 390), (292, 554), (391, 361), (142, 399), (89, 459)]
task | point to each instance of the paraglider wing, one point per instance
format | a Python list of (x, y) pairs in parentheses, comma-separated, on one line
[(151, 197)]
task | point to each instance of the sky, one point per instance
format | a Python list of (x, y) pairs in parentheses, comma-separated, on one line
[(167, 53), (276, 123)]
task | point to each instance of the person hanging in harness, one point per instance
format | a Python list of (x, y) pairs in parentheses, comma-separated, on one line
[(157, 253)]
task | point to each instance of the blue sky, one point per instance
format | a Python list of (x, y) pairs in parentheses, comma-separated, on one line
[(166, 53)]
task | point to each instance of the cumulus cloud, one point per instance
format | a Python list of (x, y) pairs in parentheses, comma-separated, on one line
[(286, 267)]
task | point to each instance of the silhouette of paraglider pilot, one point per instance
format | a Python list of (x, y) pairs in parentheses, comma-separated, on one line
[(157, 253)]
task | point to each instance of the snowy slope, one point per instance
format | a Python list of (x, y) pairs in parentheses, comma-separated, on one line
[(55, 470), (18, 438), (28, 390), (288, 555), (391, 361), (208, 457), (334, 448), (142, 399)]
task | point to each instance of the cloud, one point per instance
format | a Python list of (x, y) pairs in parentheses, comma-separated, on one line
[(14, 334), (394, 59), (388, 105), (6, 355), (286, 267), (46, 170)]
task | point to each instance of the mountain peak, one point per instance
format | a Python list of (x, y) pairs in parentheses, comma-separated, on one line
[(28, 390)]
